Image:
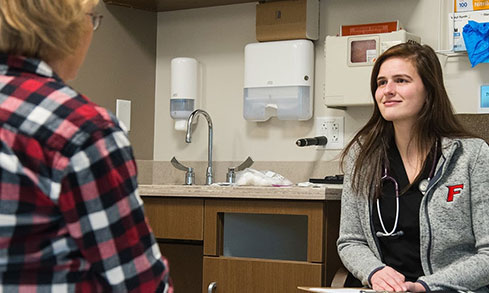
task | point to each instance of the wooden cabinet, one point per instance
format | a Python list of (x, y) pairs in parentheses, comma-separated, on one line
[(258, 275), (192, 235), (185, 261), (242, 274), (175, 218), (168, 5), (178, 225), (215, 209)]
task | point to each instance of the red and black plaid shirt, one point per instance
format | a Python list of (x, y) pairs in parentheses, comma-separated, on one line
[(71, 218)]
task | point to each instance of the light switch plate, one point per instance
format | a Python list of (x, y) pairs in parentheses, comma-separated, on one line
[(123, 112)]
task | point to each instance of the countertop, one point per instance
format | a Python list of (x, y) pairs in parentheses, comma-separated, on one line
[(321, 192)]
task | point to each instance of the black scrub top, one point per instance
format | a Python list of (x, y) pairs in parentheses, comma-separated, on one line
[(401, 252)]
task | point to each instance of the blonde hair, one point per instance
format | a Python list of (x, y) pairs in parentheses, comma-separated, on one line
[(44, 29)]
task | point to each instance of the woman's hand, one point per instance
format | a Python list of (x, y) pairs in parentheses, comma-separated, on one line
[(388, 279), (415, 287)]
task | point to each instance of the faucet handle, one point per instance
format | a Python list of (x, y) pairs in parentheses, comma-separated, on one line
[(179, 165), (247, 163), (231, 175), (189, 171)]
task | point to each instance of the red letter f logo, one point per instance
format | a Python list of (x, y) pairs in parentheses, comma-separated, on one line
[(454, 189)]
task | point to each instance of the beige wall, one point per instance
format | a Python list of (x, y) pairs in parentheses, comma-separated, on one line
[(121, 65), (216, 38), (130, 59)]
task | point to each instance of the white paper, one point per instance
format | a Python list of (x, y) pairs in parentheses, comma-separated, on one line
[(339, 290)]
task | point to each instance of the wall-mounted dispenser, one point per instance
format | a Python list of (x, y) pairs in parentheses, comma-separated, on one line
[(184, 88), (279, 80)]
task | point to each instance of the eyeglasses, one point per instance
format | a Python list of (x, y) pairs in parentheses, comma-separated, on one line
[(96, 19)]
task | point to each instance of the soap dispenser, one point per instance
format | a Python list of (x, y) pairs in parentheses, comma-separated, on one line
[(184, 88)]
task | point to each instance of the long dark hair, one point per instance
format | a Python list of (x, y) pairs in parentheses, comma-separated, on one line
[(435, 120)]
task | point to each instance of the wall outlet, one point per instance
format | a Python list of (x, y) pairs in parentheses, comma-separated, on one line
[(333, 129)]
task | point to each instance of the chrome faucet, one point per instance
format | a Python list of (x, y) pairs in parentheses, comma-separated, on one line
[(188, 139)]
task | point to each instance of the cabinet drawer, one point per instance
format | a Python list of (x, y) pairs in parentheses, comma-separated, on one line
[(216, 209), (175, 218), (257, 275)]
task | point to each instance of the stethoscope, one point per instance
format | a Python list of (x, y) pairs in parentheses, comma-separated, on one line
[(423, 187)]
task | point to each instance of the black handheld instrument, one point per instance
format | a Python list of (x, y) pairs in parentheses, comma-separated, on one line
[(318, 140)]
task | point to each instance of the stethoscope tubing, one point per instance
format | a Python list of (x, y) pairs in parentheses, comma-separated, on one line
[(423, 187), (396, 187)]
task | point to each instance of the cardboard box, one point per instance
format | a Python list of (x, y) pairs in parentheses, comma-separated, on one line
[(370, 28), (456, 23), (287, 20), (470, 5)]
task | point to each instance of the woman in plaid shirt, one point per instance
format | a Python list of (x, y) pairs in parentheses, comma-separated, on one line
[(71, 219)]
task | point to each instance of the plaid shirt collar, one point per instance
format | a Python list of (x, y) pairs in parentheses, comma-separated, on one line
[(20, 65)]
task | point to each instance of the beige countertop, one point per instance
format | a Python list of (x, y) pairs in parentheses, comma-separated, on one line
[(322, 192)]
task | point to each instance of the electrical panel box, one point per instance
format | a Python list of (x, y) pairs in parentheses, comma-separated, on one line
[(349, 62)]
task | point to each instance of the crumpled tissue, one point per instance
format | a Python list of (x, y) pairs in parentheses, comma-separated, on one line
[(476, 39), (254, 177)]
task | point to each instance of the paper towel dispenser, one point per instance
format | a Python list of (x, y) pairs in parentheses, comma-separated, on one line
[(279, 80)]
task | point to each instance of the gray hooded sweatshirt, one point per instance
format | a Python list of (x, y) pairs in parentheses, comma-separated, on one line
[(454, 222)]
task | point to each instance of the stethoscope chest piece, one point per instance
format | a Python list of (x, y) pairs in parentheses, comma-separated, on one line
[(423, 185)]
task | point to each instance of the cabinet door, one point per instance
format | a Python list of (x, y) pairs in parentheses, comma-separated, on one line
[(175, 218), (214, 221), (257, 275), (185, 265)]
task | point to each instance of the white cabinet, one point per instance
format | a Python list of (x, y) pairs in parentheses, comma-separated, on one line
[(349, 62)]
